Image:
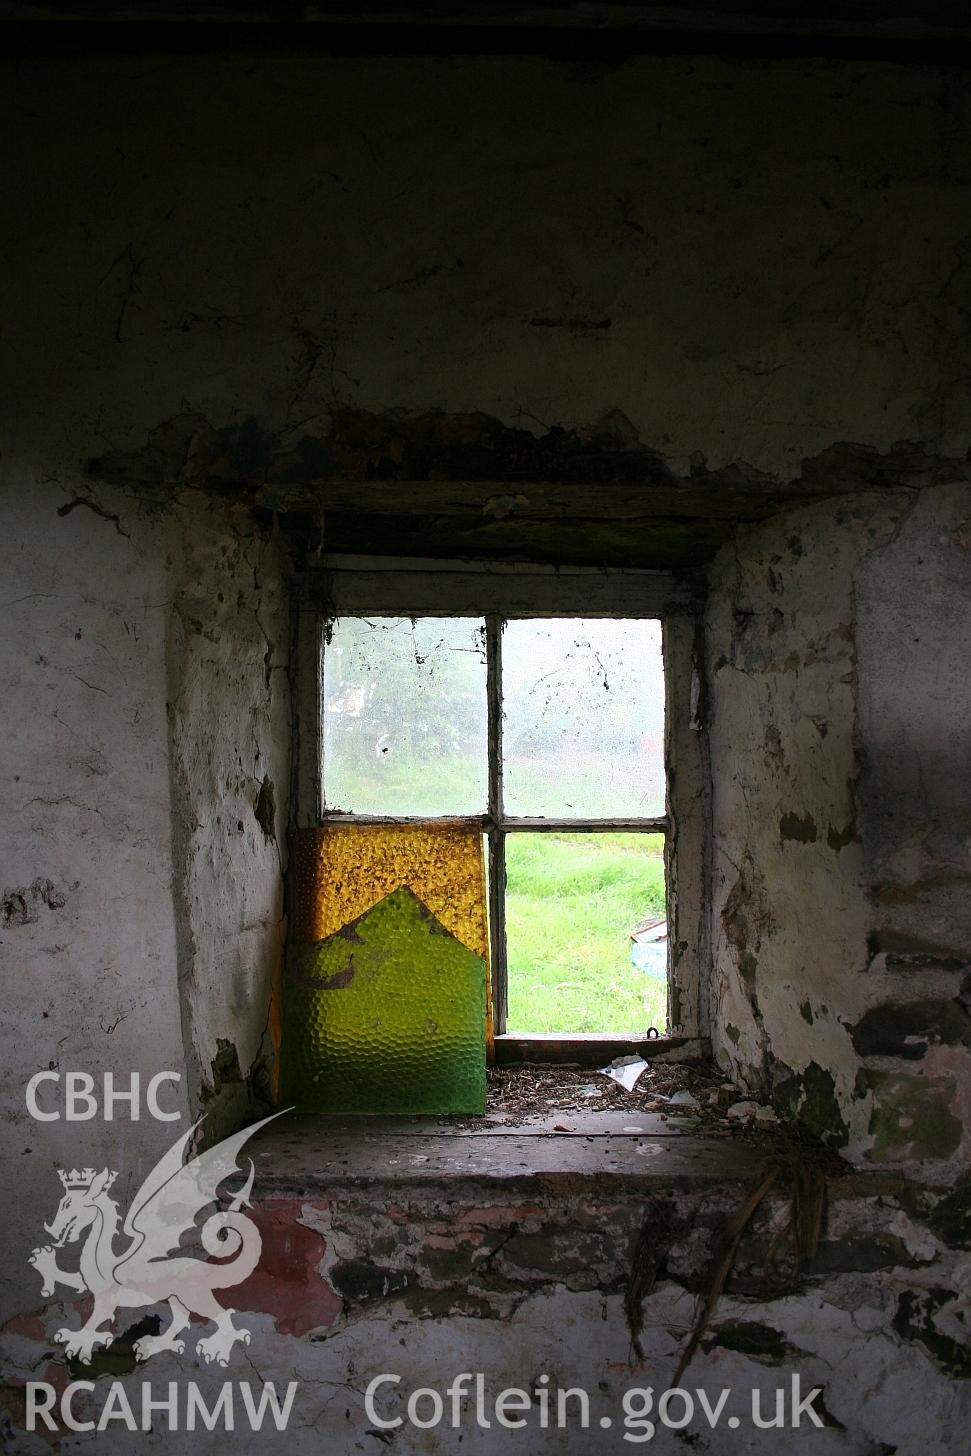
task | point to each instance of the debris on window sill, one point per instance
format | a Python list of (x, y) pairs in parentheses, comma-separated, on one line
[(625, 1071), (696, 1092)]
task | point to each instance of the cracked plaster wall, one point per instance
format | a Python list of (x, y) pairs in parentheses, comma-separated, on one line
[(747, 260), (229, 706), (838, 640), (143, 673), (89, 964)]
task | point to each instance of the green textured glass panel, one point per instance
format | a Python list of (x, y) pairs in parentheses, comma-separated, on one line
[(387, 1015)]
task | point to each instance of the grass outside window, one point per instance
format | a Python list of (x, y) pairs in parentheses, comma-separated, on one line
[(572, 901)]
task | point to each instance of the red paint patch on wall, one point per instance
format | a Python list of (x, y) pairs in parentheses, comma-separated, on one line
[(287, 1283), (30, 1325), (13, 1398), (397, 1214), (57, 1377), (445, 1241)]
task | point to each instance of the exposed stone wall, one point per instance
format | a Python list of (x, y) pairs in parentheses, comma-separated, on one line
[(521, 1283), (840, 787)]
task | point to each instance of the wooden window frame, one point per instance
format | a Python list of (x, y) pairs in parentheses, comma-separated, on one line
[(496, 592)]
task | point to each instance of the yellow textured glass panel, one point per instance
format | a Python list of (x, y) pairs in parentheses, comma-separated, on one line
[(340, 871)]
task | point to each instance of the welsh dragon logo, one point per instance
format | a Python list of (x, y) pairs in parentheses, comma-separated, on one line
[(152, 1267)]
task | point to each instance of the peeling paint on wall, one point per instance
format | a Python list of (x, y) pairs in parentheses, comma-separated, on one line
[(809, 737)]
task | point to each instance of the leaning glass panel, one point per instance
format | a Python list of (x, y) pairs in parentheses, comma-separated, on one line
[(385, 993), (583, 725), (404, 716)]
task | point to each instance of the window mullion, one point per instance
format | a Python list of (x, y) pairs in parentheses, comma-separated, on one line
[(497, 846)]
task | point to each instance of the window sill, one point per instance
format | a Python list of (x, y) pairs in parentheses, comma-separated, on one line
[(307, 1155), (594, 1049)]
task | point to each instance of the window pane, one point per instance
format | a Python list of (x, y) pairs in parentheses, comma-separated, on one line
[(405, 716), (583, 724), (585, 932)]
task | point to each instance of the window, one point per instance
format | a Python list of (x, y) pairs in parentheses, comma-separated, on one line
[(522, 710), (546, 734)]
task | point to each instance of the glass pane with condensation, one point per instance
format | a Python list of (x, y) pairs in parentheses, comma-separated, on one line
[(404, 716), (386, 989), (586, 933), (583, 725)]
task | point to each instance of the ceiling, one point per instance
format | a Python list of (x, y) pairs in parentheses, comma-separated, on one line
[(858, 24)]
